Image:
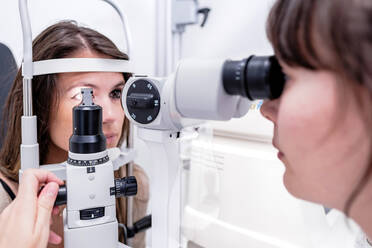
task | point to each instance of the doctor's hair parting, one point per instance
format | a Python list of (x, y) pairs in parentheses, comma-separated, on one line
[(334, 36)]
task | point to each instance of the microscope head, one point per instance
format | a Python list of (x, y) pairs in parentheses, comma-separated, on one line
[(202, 90)]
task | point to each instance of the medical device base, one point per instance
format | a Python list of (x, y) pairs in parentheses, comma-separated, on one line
[(165, 186), (99, 236)]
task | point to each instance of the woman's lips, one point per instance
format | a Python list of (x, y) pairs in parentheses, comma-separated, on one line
[(280, 155), (110, 138)]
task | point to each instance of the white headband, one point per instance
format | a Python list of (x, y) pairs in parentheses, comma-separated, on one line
[(52, 66)]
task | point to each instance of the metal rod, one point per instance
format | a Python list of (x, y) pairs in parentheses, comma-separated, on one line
[(130, 173), (124, 21), (27, 97), (177, 49), (27, 69)]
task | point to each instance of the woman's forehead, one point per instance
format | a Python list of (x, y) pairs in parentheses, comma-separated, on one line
[(96, 80)]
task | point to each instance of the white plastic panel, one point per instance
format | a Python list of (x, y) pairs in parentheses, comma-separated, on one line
[(234, 197), (252, 127), (89, 190)]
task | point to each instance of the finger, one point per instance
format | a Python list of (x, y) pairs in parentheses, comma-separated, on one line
[(46, 201), (55, 210), (31, 180), (54, 238), (19, 210), (51, 221)]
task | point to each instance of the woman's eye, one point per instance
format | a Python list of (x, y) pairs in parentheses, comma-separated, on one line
[(115, 94), (286, 77), (77, 97)]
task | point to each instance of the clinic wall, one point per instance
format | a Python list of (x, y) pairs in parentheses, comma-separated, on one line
[(235, 29), (92, 13)]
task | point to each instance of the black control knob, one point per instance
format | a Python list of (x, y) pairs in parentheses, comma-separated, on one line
[(143, 101), (126, 186), (61, 196), (139, 226)]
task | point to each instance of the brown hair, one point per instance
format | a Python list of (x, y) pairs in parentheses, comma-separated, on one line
[(326, 35), (330, 35), (57, 41)]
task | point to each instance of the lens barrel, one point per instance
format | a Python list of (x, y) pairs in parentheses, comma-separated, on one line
[(258, 77), (87, 134)]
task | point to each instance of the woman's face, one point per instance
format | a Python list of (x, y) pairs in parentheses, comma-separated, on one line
[(107, 88), (322, 132)]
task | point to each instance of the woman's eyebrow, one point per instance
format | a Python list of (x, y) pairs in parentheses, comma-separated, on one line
[(74, 85), (84, 84), (121, 83)]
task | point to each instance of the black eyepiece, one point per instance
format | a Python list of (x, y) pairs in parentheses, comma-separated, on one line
[(254, 78), (87, 134)]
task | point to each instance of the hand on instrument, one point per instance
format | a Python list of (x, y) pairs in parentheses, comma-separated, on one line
[(25, 223)]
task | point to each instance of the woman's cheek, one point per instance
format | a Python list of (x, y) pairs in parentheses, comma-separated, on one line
[(65, 124), (119, 113), (290, 124)]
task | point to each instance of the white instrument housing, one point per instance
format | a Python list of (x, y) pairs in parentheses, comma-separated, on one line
[(193, 94)]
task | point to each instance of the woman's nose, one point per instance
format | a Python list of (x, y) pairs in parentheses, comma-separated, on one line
[(108, 110), (269, 109)]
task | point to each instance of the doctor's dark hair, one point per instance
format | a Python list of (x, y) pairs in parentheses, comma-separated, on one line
[(57, 41), (333, 35)]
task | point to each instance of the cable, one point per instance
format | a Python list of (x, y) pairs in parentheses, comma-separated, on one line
[(125, 232)]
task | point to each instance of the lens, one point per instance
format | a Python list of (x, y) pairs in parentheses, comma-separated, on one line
[(255, 78)]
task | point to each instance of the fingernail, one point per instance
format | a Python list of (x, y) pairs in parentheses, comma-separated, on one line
[(52, 189), (59, 239)]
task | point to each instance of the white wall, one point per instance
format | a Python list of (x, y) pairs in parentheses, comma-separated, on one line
[(235, 29)]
